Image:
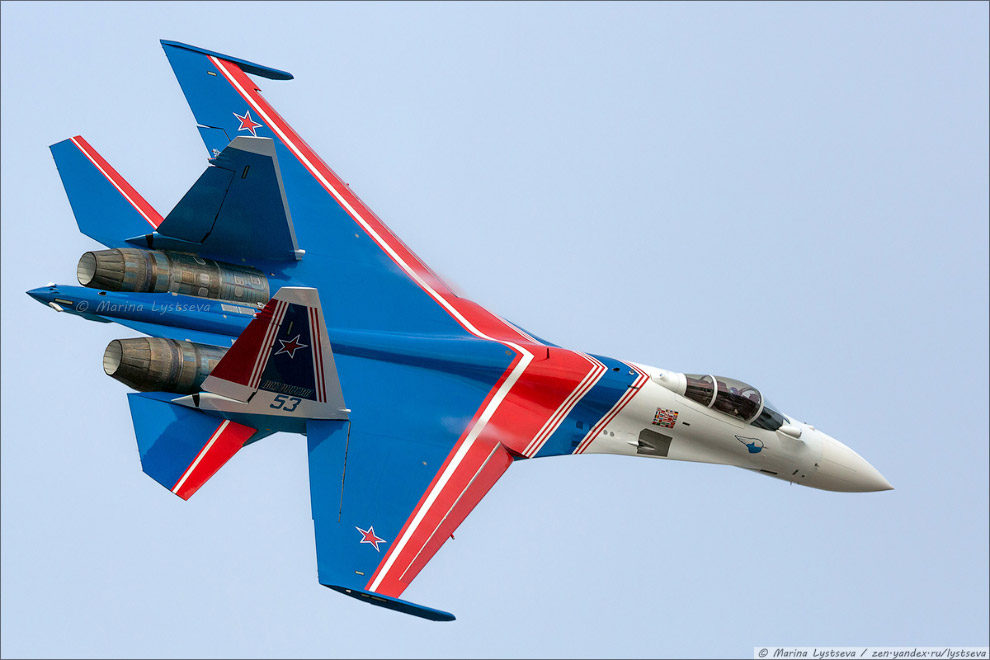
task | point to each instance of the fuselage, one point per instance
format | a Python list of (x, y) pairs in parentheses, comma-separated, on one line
[(661, 423), (616, 407)]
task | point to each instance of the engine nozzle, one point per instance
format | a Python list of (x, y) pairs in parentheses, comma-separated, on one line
[(155, 271), (154, 364)]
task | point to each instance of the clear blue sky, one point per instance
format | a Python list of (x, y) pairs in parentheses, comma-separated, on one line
[(795, 195)]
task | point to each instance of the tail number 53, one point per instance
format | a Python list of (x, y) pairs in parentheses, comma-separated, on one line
[(284, 403)]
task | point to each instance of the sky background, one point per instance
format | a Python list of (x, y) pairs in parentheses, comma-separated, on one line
[(795, 195)]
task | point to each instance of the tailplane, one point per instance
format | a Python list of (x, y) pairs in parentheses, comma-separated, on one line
[(182, 448), (107, 208)]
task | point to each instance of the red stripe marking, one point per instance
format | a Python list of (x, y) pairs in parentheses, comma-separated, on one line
[(262, 348), (312, 350), (317, 339), (268, 344), (605, 421), (537, 396), (465, 488), (222, 445), (260, 355), (492, 468), (136, 200), (555, 419), (524, 408), (616, 409), (314, 340), (237, 366), (481, 319), (440, 472), (567, 406)]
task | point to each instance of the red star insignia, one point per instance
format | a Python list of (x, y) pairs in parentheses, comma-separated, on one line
[(368, 536), (290, 346), (247, 124)]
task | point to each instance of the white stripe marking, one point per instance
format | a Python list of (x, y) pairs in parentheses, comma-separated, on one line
[(318, 367), (268, 342), (500, 395), (633, 390), (202, 453), (452, 507), (315, 341), (115, 184), (554, 421), (552, 424), (352, 212), (264, 340), (452, 467)]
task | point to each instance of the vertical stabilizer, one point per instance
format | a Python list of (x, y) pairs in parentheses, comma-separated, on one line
[(283, 363)]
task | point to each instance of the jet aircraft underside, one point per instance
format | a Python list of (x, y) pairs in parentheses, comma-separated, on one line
[(273, 299)]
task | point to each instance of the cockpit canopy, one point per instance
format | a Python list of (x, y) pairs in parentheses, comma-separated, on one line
[(735, 398)]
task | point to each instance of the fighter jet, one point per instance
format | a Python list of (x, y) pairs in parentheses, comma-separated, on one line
[(274, 300)]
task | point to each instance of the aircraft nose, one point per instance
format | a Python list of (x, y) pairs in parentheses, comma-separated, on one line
[(848, 471), (44, 294)]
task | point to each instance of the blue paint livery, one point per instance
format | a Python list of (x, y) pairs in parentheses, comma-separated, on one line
[(169, 436), (753, 445), (101, 212), (613, 384), (247, 67), (421, 380), (367, 276), (169, 315), (291, 360), (396, 604)]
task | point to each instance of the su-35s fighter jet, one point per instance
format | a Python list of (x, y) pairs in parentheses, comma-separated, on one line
[(274, 300)]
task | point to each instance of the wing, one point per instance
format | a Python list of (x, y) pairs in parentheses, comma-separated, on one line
[(348, 248), (383, 506)]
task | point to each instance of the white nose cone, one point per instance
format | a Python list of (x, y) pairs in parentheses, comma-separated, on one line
[(842, 469)]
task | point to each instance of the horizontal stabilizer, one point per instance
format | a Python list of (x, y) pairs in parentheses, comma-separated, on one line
[(237, 209), (182, 448), (106, 207)]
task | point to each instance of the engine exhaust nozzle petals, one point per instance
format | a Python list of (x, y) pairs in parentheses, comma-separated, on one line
[(154, 364)]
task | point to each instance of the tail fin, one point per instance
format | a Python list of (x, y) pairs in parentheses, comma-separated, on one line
[(282, 364), (106, 207), (182, 448), (230, 215)]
